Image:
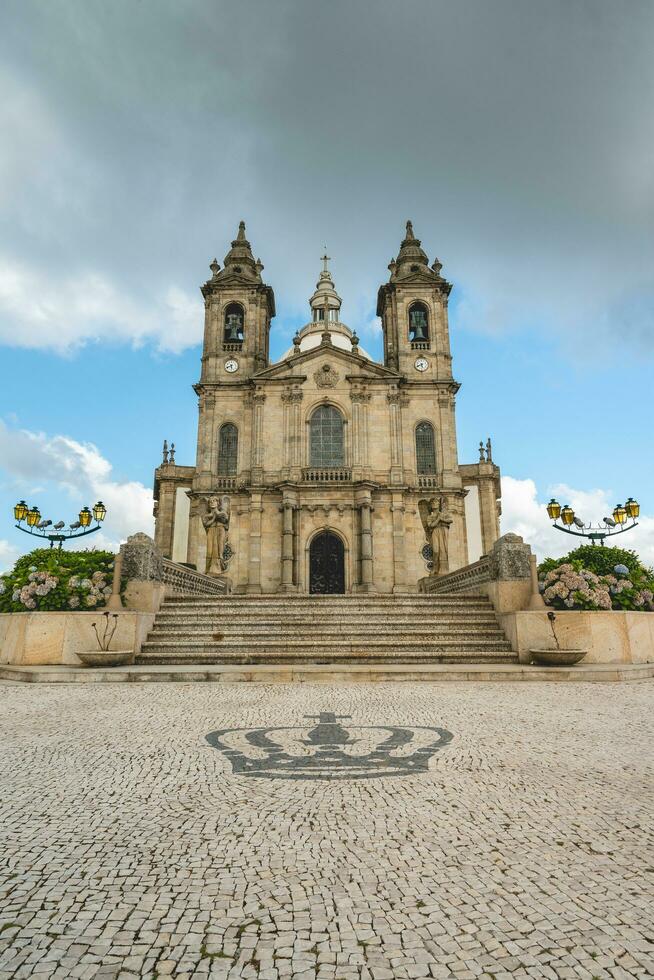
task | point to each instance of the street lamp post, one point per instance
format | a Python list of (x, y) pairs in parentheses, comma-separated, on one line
[(594, 532), (36, 526)]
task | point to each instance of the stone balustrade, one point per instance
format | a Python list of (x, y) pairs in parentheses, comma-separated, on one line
[(181, 580), (470, 578), (150, 576), (504, 575), (321, 474)]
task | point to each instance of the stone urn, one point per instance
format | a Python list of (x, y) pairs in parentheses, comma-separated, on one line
[(106, 658), (557, 658)]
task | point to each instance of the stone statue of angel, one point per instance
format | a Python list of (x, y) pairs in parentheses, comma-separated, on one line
[(436, 520), (216, 524)]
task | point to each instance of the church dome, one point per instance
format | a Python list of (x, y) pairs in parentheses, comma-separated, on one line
[(325, 304)]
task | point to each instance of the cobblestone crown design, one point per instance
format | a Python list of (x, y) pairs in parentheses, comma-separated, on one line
[(328, 750)]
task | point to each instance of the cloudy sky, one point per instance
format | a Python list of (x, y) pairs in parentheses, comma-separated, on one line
[(519, 137)]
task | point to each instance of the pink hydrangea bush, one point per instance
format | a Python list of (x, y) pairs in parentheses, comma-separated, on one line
[(571, 587), (49, 579)]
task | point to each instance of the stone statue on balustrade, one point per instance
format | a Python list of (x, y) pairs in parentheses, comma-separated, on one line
[(216, 524), (436, 521)]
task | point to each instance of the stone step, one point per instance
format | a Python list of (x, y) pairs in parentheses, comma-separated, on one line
[(264, 617), (369, 656), (341, 635), (368, 600), (337, 629), (390, 645)]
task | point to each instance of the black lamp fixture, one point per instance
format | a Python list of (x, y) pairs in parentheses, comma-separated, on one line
[(31, 517), (617, 524)]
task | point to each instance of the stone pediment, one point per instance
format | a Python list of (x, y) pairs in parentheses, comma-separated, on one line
[(342, 361)]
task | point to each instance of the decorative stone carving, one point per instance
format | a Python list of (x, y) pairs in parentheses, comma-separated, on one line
[(216, 524), (510, 558), (142, 560), (290, 395), (326, 376)]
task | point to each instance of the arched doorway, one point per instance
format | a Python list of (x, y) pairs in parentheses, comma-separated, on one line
[(326, 565)]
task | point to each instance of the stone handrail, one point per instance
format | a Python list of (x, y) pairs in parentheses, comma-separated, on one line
[(470, 578), (180, 580), (506, 575)]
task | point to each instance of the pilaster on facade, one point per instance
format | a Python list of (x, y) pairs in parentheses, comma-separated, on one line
[(257, 400), (398, 508), (364, 507), (289, 546), (360, 399), (254, 543), (394, 400)]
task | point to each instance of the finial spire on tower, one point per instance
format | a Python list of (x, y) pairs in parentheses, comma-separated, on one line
[(325, 298)]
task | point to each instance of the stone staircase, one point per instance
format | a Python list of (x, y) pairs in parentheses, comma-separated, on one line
[(334, 629)]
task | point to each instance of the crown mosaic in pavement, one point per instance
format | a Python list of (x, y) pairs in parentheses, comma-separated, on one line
[(328, 750)]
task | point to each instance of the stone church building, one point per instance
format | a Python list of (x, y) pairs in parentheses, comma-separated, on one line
[(321, 459)]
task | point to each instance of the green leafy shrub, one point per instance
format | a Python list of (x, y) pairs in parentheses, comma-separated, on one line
[(602, 561), (49, 579)]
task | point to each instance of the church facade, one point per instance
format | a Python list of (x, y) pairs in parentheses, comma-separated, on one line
[(322, 465)]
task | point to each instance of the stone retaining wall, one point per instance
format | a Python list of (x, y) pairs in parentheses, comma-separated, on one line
[(55, 637), (611, 637)]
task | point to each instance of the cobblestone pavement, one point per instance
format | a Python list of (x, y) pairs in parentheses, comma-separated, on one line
[(131, 849)]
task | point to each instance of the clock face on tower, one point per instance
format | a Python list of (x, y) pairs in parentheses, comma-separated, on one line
[(231, 365), (421, 364)]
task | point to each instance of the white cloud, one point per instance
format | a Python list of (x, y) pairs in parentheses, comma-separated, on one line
[(84, 474), (63, 314), (524, 513), (8, 555)]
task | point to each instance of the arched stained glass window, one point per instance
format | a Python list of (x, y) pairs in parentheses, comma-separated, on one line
[(327, 442), (418, 323), (425, 449), (227, 449)]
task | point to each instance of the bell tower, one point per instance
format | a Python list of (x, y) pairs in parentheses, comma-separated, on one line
[(238, 310), (413, 309)]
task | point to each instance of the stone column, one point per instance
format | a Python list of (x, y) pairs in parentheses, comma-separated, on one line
[(366, 547), (288, 546), (254, 555)]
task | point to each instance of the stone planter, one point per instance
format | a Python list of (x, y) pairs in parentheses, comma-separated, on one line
[(557, 658), (106, 658)]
